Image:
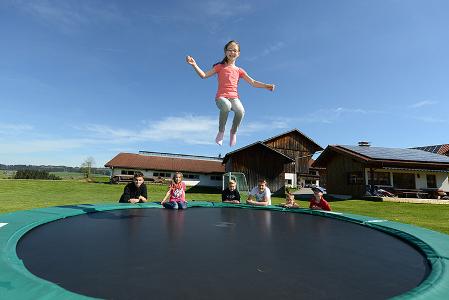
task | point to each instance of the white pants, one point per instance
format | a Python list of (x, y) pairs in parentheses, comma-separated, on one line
[(226, 105)]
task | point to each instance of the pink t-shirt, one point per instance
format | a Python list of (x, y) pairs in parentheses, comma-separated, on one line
[(178, 194), (228, 78)]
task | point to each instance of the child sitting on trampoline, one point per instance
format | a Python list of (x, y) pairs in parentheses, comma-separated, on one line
[(290, 201), (260, 195), (176, 193), (227, 97), (230, 194), (317, 201), (136, 191)]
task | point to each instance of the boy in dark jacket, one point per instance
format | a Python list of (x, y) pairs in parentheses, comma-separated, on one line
[(136, 191)]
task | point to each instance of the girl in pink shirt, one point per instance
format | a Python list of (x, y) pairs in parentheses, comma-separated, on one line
[(176, 194), (227, 97)]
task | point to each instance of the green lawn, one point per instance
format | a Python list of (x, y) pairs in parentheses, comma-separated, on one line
[(28, 194), (4, 174)]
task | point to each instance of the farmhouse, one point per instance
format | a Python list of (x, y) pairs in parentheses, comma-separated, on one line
[(281, 160), (352, 170), (197, 170)]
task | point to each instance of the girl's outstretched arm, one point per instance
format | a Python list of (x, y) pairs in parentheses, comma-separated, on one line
[(198, 70), (258, 84), (166, 196)]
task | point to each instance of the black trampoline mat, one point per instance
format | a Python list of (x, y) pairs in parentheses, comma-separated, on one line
[(220, 253)]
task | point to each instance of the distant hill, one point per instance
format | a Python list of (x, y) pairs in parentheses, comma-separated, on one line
[(104, 171)]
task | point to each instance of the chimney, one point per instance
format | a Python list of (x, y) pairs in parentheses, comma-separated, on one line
[(364, 144)]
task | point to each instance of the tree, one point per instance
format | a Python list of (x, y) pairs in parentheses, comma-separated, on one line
[(86, 166)]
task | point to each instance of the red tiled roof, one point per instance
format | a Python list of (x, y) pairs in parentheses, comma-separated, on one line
[(146, 162), (438, 149)]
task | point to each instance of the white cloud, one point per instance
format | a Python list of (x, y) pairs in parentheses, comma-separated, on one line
[(422, 103), (42, 145), (253, 127), (69, 15), (225, 9), (182, 130), (214, 15), (187, 129), (431, 119), (8, 129), (267, 51), (332, 115), (342, 110)]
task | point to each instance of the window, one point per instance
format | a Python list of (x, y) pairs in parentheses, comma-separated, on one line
[(191, 176), (431, 181), (404, 180), (161, 174), (127, 172), (288, 181), (380, 178), (215, 177), (355, 178)]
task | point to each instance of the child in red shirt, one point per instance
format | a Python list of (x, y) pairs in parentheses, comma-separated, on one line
[(317, 201), (176, 194)]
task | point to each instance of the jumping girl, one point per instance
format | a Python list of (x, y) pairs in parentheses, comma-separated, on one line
[(227, 97)]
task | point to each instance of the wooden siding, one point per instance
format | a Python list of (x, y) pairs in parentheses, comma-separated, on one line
[(296, 147), (257, 164), (337, 172), (323, 177)]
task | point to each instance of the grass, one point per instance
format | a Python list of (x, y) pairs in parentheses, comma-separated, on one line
[(4, 174), (7, 174), (431, 216), (27, 194)]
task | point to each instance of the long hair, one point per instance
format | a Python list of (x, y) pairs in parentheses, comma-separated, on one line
[(176, 185), (225, 59)]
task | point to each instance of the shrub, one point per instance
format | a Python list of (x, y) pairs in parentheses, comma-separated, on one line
[(35, 174)]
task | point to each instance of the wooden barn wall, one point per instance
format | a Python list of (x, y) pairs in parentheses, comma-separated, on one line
[(296, 147), (259, 164), (338, 171), (323, 177)]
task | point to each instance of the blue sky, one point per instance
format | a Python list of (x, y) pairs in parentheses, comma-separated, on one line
[(95, 78)]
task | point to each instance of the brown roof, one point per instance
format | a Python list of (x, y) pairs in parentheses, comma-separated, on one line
[(295, 131), (147, 162), (311, 161), (438, 149), (257, 144)]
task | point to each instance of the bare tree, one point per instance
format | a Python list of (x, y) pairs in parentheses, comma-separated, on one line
[(87, 166)]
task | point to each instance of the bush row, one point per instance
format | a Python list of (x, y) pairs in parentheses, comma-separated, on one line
[(35, 174)]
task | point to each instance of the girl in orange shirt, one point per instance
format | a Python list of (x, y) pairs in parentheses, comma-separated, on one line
[(227, 97)]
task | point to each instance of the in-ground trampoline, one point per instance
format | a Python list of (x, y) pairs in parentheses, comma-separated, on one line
[(216, 251)]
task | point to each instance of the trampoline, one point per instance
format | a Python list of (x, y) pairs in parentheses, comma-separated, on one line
[(216, 251)]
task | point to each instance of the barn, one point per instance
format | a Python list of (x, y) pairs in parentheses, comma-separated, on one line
[(282, 159)]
